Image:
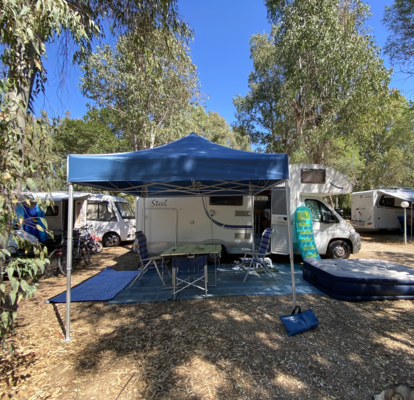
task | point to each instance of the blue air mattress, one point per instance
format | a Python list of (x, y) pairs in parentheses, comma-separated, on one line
[(360, 280)]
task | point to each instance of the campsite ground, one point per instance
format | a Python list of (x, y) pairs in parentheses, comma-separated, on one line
[(221, 348)]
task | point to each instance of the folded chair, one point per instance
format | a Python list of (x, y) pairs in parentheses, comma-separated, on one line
[(253, 258), (145, 262), (189, 272)]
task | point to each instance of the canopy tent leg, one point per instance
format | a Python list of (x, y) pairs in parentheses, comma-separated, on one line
[(291, 257), (252, 200), (69, 263)]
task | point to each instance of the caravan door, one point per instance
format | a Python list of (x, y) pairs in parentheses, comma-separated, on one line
[(280, 236)]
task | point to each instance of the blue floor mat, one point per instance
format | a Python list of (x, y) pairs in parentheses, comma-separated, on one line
[(229, 283), (101, 287)]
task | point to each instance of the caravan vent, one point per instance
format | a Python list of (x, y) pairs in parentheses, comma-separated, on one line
[(239, 213), (242, 236)]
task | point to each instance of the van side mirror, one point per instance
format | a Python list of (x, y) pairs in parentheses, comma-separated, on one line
[(328, 217)]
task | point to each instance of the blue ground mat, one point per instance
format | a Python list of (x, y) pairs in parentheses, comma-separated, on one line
[(101, 287), (229, 283)]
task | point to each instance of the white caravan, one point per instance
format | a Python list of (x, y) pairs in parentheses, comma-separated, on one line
[(112, 218), (380, 208), (227, 220)]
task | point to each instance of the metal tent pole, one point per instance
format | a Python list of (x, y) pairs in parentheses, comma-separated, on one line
[(69, 262), (291, 257), (252, 200), (143, 218)]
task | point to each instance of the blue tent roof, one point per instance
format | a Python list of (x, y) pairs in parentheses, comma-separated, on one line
[(189, 166)]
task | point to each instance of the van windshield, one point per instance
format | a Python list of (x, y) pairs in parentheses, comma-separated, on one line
[(126, 210)]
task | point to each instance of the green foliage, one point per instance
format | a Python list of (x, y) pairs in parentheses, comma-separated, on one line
[(147, 91), (388, 155), (214, 127), (318, 84), (400, 44)]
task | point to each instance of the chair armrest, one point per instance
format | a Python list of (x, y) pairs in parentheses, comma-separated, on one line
[(151, 258), (248, 249)]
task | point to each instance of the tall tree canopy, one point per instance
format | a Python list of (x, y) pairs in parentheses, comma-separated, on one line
[(212, 126), (399, 18), (148, 90), (317, 80)]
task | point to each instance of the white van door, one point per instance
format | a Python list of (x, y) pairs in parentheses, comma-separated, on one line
[(280, 236)]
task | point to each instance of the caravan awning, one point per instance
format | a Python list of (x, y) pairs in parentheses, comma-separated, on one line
[(402, 194), (191, 166)]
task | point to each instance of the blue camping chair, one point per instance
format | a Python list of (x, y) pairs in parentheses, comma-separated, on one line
[(253, 258), (189, 272), (145, 262)]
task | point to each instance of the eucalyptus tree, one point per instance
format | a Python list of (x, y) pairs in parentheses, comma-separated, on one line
[(399, 18), (26, 28), (212, 126), (317, 79), (148, 92), (388, 156)]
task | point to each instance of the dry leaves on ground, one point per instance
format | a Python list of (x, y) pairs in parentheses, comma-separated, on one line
[(222, 348)]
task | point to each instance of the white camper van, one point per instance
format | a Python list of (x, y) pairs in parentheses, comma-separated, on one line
[(227, 220), (112, 218), (380, 208)]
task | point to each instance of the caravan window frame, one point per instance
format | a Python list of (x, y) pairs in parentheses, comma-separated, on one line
[(381, 203), (234, 201), (99, 206), (303, 178)]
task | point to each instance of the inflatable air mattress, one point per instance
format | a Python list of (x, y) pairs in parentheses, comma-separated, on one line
[(360, 280)]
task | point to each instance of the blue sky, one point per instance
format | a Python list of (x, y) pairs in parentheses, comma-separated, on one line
[(220, 50)]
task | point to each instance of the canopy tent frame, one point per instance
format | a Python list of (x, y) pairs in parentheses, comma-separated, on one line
[(243, 175)]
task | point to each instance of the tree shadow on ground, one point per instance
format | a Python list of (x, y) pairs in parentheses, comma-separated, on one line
[(237, 348)]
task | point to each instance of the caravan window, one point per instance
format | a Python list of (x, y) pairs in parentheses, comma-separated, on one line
[(52, 211), (226, 201), (313, 176), (317, 209), (99, 212), (387, 201), (126, 210)]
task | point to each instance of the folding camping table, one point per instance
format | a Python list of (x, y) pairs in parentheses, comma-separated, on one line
[(196, 250)]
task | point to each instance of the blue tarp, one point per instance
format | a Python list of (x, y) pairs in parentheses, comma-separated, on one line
[(189, 166), (101, 287)]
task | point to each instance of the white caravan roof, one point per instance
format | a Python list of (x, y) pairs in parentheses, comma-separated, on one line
[(58, 195), (106, 197)]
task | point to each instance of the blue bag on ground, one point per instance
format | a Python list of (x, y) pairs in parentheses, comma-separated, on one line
[(299, 322)]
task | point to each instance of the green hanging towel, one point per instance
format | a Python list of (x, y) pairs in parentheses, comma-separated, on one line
[(304, 233)]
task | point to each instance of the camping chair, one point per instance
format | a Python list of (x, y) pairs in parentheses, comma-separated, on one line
[(145, 262), (254, 258), (187, 272)]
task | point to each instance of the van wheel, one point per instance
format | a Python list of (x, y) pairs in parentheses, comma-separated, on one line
[(339, 249), (111, 239)]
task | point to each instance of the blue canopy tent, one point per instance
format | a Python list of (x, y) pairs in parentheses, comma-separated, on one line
[(191, 166)]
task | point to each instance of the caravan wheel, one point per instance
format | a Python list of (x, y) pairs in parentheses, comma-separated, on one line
[(111, 239), (339, 249)]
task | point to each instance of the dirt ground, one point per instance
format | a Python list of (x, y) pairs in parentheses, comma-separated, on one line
[(222, 348)]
